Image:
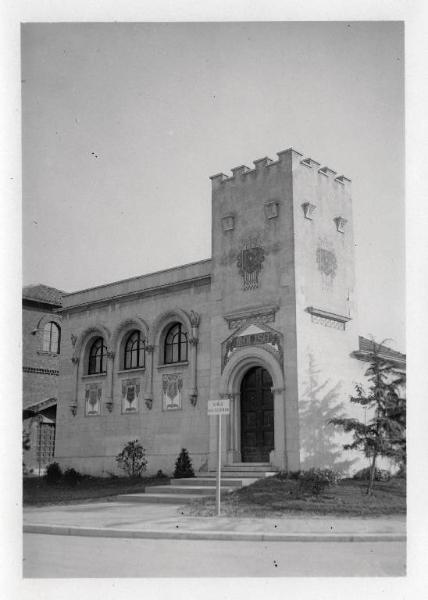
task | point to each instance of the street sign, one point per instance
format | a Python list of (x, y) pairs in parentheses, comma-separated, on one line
[(219, 407)]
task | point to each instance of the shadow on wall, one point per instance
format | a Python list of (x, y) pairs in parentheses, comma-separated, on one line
[(321, 403)]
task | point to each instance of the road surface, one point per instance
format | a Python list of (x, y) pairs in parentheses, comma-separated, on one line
[(75, 556)]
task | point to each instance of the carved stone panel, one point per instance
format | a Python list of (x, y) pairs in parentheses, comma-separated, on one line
[(172, 384), (327, 263), (130, 395), (261, 316), (93, 393), (252, 334), (250, 262)]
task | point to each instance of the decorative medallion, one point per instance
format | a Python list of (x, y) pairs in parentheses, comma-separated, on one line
[(93, 393), (172, 385), (130, 395), (250, 260), (327, 263)]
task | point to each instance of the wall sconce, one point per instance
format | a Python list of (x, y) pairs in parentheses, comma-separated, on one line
[(109, 406), (308, 210), (73, 409), (228, 222), (271, 209), (149, 403), (193, 399), (340, 224)]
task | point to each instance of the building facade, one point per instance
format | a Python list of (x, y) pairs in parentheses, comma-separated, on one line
[(41, 344), (269, 322)]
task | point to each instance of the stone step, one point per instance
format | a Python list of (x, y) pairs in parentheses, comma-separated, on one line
[(244, 476), (158, 498), (251, 467), (208, 479), (197, 490), (264, 465)]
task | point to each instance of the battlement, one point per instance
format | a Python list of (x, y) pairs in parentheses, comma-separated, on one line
[(265, 163)]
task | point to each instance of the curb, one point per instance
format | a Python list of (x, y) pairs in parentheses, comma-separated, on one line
[(214, 535)]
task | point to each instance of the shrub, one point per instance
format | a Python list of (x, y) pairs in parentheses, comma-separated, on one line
[(132, 459), (401, 473), (161, 475), (315, 481), (53, 473), (71, 476), (183, 465), (379, 474)]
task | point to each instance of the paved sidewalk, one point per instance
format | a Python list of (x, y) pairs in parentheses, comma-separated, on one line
[(120, 519)]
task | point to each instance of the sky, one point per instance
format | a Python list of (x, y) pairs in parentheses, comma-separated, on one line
[(122, 125)]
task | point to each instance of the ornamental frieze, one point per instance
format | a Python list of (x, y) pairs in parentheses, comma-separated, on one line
[(253, 335), (260, 315)]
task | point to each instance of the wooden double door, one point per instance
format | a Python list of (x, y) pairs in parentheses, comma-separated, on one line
[(257, 416)]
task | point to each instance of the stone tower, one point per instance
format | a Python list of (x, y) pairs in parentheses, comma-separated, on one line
[(282, 299)]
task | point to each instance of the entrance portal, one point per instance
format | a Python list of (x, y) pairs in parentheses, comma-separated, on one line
[(257, 437)]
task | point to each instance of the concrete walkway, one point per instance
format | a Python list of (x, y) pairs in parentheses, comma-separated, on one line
[(129, 520)]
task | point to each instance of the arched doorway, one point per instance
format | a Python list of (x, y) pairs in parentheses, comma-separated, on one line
[(257, 416)]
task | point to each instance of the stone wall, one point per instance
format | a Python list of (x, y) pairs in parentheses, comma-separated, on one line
[(90, 443)]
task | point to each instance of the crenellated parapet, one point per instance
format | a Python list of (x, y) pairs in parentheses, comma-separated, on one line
[(263, 165)]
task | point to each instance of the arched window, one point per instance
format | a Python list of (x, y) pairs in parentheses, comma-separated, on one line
[(97, 357), (134, 351), (51, 337), (175, 344)]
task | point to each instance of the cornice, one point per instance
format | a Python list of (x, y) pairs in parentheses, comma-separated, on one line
[(251, 312), (152, 291), (327, 315)]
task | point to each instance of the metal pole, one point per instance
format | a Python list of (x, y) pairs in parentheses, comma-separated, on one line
[(39, 420), (218, 466)]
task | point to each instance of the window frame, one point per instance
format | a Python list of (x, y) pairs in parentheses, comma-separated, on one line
[(48, 329), (170, 343), (140, 351), (93, 357)]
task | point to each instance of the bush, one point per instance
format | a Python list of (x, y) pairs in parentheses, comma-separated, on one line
[(380, 475), (132, 459), (71, 476), (183, 465), (401, 473), (53, 473), (315, 481), (161, 475)]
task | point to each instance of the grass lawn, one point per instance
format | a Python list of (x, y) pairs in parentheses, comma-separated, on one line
[(37, 492), (272, 496)]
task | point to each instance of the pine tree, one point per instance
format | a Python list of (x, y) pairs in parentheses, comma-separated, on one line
[(385, 433), (183, 465)]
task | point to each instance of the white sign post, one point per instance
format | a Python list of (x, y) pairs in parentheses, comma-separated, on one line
[(218, 407)]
